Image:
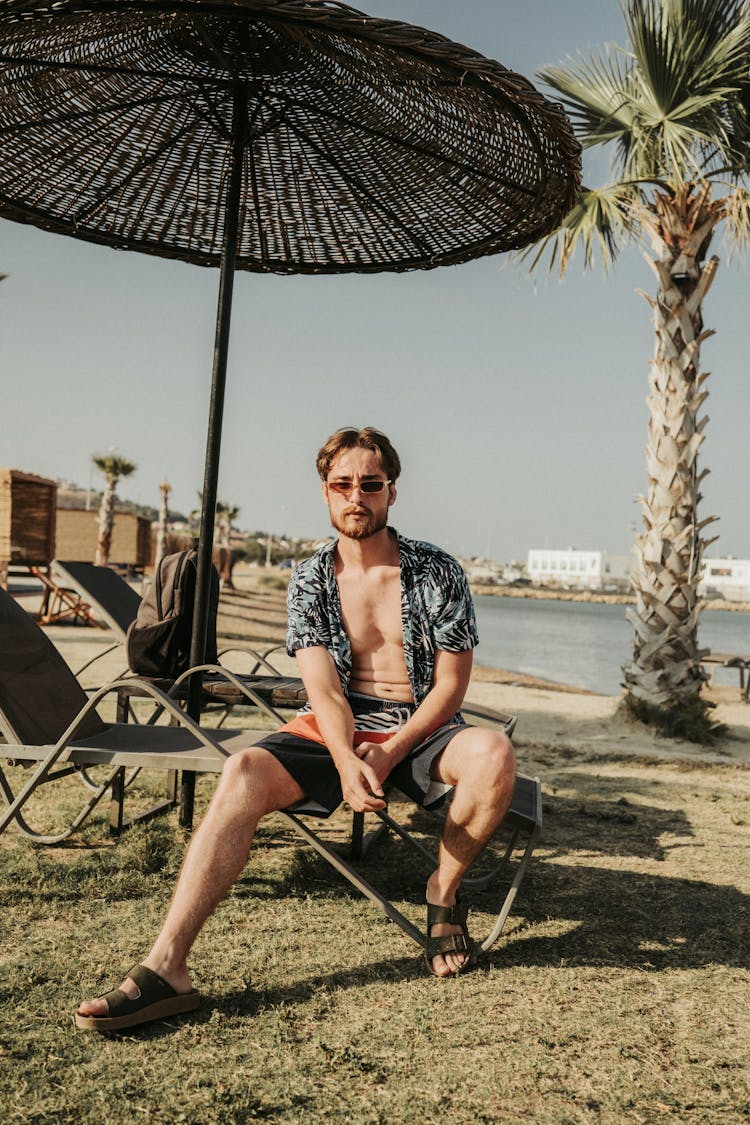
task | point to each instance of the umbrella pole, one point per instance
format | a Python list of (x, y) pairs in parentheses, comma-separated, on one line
[(215, 417)]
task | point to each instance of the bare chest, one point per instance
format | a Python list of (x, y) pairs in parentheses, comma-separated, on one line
[(371, 611)]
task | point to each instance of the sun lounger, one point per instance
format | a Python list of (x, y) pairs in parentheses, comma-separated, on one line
[(717, 660), (21, 633), (59, 603), (46, 718), (50, 724), (113, 602)]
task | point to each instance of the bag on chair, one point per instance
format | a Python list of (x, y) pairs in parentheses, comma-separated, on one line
[(158, 641)]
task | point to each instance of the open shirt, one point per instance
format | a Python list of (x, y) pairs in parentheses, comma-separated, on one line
[(437, 612)]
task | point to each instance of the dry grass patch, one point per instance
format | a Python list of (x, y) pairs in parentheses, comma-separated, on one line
[(618, 995)]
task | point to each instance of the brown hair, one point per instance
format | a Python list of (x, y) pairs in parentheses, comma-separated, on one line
[(366, 438)]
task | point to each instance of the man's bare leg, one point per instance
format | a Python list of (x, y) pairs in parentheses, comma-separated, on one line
[(481, 765), (252, 785)]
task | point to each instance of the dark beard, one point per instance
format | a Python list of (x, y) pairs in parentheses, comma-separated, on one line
[(363, 528)]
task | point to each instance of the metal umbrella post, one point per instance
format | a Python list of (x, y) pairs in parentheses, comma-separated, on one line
[(215, 419), (218, 382)]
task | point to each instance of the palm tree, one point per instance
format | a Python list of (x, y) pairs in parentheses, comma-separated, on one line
[(162, 523), (223, 556), (674, 106), (114, 468), (225, 515)]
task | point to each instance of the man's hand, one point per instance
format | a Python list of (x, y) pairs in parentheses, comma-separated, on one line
[(361, 785), (375, 755)]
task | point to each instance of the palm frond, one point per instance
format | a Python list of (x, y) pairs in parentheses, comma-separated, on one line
[(692, 64), (725, 62), (112, 465), (686, 149), (596, 95), (688, 46), (677, 105), (600, 223)]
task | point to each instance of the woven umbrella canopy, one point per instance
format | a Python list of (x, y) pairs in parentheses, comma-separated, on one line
[(270, 135)]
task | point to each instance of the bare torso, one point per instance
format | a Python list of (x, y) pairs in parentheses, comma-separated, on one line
[(371, 610)]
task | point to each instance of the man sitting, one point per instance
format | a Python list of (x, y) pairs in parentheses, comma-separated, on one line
[(383, 629)]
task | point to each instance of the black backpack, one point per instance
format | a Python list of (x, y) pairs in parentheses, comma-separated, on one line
[(158, 641)]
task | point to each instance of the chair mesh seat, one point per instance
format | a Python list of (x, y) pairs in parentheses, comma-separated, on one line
[(369, 144)]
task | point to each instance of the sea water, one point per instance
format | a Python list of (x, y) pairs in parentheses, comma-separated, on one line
[(581, 643)]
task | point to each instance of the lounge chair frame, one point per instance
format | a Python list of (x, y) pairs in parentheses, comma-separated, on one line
[(522, 826), (716, 660), (189, 747), (113, 603), (522, 823), (60, 603)]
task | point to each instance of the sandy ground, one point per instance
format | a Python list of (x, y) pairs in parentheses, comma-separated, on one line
[(550, 717), (561, 720)]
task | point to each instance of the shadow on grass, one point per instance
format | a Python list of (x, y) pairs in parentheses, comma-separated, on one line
[(620, 920), (611, 826), (627, 920), (569, 911), (610, 915), (596, 915), (608, 918), (253, 1000)]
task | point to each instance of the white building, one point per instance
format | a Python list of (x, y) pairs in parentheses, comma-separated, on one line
[(726, 578), (592, 570)]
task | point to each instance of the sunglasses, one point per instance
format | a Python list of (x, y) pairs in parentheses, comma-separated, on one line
[(368, 487)]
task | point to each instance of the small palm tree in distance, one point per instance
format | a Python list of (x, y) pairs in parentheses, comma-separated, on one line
[(226, 514), (114, 468), (673, 107)]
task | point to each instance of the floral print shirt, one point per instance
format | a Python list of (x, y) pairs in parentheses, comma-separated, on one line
[(437, 612)]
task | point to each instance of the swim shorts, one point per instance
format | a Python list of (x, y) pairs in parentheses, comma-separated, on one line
[(301, 751)]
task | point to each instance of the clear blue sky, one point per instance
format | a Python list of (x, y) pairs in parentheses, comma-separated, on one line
[(517, 403)]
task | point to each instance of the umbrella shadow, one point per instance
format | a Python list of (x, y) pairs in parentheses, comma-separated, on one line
[(627, 920), (606, 915), (604, 918), (607, 823), (568, 912), (610, 918)]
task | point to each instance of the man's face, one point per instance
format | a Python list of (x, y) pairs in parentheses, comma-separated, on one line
[(357, 514)]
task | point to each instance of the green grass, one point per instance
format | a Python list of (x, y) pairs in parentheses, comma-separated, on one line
[(618, 994)]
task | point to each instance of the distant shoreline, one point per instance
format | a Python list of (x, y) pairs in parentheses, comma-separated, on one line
[(540, 593)]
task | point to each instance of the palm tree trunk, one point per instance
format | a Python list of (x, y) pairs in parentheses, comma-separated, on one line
[(106, 522), (161, 526), (665, 674)]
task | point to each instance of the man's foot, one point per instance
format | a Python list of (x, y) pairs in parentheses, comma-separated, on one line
[(143, 996), (448, 946)]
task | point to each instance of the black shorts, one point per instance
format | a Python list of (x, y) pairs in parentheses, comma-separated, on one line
[(313, 768)]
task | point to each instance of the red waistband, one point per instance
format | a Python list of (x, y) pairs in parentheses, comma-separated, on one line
[(306, 726)]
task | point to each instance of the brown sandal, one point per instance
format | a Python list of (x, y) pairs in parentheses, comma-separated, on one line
[(449, 943), (156, 1000)]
